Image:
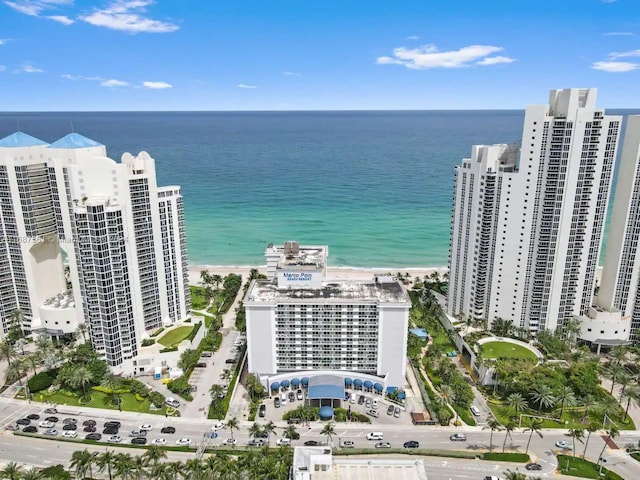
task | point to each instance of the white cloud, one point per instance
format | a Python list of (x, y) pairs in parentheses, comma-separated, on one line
[(244, 85), (615, 67), (35, 7), (618, 34), (413, 37), (128, 16), (156, 85), (63, 19), (68, 76), (28, 68), (4, 41), (632, 53), (291, 74), (428, 56), (112, 82)]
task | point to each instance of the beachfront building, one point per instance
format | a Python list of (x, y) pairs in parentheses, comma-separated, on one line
[(303, 328), (615, 314), (122, 239), (528, 220)]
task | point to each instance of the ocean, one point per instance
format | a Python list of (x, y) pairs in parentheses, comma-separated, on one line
[(375, 186)]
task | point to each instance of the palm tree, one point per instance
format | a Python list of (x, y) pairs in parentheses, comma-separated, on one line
[(113, 383), (82, 329), (535, 425), (233, 424), (159, 472), (517, 402), (510, 475), (509, 427), (612, 371), (291, 432), (139, 467), (543, 396), (11, 471), (255, 429), (175, 469), (34, 359), (205, 277), (17, 370), (566, 397), (82, 462), (154, 454), (591, 427), (226, 374), (328, 431), (194, 469), (123, 465), (624, 380), (82, 377), (106, 460), (576, 434), (494, 426), (612, 433), (7, 352), (632, 394), (31, 474), (269, 428)]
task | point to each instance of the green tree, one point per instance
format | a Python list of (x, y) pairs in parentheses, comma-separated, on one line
[(511, 475), (632, 395), (194, 469), (255, 429), (7, 352), (535, 426), (82, 461), (82, 329), (154, 454), (233, 424), (566, 397), (328, 431), (508, 428), (113, 383), (16, 320), (517, 402), (82, 377), (105, 461), (494, 426), (11, 471), (139, 467), (543, 396), (576, 434), (291, 432), (612, 433), (591, 427), (216, 401), (123, 466), (31, 474), (270, 428)]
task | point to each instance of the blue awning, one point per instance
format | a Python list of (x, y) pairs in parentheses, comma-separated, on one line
[(348, 381), (357, 382), (391, 389), (284, 383), (326, 387), (275, 386), (401, 396), (377, 387), (326, 412), (368, 384), (305, 381), (295, 382)]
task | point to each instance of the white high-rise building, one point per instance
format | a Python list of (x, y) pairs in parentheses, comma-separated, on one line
[(528, 221), (123, 242), (615, 316)]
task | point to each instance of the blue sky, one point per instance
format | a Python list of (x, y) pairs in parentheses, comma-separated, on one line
[(308, 54)]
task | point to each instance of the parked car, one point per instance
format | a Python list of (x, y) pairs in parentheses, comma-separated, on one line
[(110, 431), (89, 423), (374, 403), (115, 439), (112, 424), (411, 444), (458, 437), (368, 402), (201, 364), (90, 428), (51, 410), (139, 441), (93, 436), (145, 427), (300, 395), (353, 399), (283, 441), (230, 360), (276, 402), (563, 444), (172, 402), (262, 435), (70, 434), (184, 442), (168, 430), (256, 442), (67, 421), (311, 443), (283, 399), (262, 411), (12, 428), (159, 441), (52, 419), (361, 400), (396, 412), (383, 445), (30, 429), (372, 413), (390, 410), (292, 396), (533, 466), (218, 426), (229, 441), (24, 421), (52, 432), (475, 410), (206, 354), (70, 426), (45, 424), (138, 433), (348, 444), (33, 416)]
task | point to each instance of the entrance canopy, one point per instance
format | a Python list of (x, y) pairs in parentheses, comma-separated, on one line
[(326, 387)]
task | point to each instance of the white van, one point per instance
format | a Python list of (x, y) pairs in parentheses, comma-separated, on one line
[(375, 436), (475, 410)]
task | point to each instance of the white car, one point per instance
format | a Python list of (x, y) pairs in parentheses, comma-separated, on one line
[(283, 441), (46, 424), (159, 441), (218, 426), (352, 399), (563, 444), (145, 428), (52, 431), (69, 434), (183, 442), (172, 402), (114, 439), (375, 403), (229, 441), (283, 399), (348, 444)]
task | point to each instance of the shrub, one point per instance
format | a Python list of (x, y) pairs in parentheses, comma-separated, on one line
[(169, 349), (156, 398), (139, 398), (180, 386), (194, 331), (57, 472), (148, 341), (41, 381), (138, 388), (157, 332)]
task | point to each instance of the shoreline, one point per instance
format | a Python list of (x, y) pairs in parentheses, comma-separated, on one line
[(333, 273)]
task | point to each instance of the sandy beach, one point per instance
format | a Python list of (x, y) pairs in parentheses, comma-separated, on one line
[(333, 273)]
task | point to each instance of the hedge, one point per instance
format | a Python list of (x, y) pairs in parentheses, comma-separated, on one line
[(169, 349), (194, 331), (41, 381), (157, 332)]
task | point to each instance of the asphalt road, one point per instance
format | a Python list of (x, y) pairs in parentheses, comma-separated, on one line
[(25, 450)]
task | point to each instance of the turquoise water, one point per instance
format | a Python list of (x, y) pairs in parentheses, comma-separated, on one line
[(374, 186)]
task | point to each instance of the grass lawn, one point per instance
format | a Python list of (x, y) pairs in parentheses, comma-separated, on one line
[(465, 415), (506, 350), (507, 457), (583, 468), (100, 400), (175, 336), (198, 299)]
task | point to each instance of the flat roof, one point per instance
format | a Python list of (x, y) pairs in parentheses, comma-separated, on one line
[(373, 470), (387, 292)]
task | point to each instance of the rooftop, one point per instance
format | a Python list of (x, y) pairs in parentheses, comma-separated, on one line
[(19, 139), (75, 140), (292, 255), (61, 300), (376, 291)]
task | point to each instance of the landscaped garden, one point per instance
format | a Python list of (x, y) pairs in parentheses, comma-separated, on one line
[(498, 349), (577, 467), (175, 336)]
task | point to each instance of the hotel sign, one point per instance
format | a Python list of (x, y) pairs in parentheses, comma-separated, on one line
[(300, 279)]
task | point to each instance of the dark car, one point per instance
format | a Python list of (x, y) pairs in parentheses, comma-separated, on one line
[(206, 354), (51, 410), (110, 431), (262, 411), (93, 436), (201, 364), (30, 429), (276, 402), (112, 424), (292, 396), (230, 360), (390, 410), (24, 421), (33, 416), (533, 466), (139, 441), (168, 430), (361, 400), (67, 421), (262, 435), (70, 426), (90, 428), (311, 443), (89, 423), (52, 419), (411, 444)]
